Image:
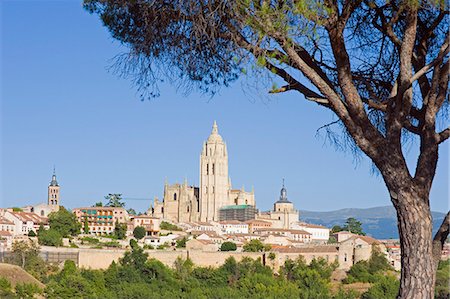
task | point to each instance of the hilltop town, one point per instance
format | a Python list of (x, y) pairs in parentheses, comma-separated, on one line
[(208, 223)]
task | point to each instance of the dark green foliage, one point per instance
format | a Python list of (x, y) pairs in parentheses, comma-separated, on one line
[(31, 233), (131, 211), (86, 227), (64, 222), (98, 204), (139, 232), (169, 226), (228, 246), (115, 200), (120, 230), (386, 287), (312, 280), (5, 288), (354, 226), (369, 271), (50, 237), (442, 290), (181, 243), (255, 246), (27, 290), (136, 276)]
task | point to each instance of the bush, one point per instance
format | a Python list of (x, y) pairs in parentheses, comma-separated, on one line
[(256, 246), (27, 290), (148, 246), (90, 240), (442, 290), (169, 226), (31, 233), (114, 244), (5, 288), (182, 242), (50, 237), (228, 246), (386, 287), (139, 232)]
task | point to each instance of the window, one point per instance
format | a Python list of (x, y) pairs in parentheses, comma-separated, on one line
[(207, 169), (213, 190), (188, 209), (175, 196), (213, 168)]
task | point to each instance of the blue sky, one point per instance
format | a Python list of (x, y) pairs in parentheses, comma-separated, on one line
[(61, 106)]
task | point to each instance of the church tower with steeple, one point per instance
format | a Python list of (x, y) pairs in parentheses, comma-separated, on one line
[(214, 181), (53, 191)]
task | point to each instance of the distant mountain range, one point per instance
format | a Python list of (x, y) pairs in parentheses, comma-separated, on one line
[(378, 222)]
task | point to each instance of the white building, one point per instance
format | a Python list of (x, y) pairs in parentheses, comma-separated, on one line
[(6, 225), (319, 233), (232, 227), (25, 222)]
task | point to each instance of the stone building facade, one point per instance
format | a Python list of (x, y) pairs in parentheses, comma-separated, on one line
[(185, 203), (283, 215)]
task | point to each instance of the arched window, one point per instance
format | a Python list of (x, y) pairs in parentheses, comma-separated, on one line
[(207, 169), (188, 209), (162, 209), (174, 196), (206, 190), (42, 213), (213, 168)]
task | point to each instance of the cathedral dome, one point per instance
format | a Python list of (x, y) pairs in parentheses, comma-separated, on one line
[(215, 137)]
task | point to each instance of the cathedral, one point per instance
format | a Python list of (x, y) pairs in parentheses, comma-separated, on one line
[(185, 203)]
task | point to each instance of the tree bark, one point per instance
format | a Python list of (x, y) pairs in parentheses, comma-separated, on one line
[(418, 273)]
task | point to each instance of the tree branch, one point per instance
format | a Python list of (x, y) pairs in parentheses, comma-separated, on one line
[(442, 53), (440, 238), (444, 135)]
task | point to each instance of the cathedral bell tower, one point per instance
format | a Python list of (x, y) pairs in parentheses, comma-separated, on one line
[(53, 191), (214, 184)]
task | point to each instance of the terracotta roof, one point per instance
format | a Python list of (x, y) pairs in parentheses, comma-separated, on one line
[(367, 239), (255, 221), (5, 233), (5, 221), (205, 242), (100, 208), (26, 216)]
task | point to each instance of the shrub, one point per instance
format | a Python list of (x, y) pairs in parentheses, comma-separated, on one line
[(386, 287), (139, 232), (50, 237), (256, 246), (228, 246), (27, 290), (169, 226), (31, 233), (182, 242)]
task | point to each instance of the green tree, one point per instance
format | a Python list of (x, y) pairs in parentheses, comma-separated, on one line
[(131, 211), (181, 243), (64, 222), (139, 232), (31, 233), (354, 226), (50, 237), (398, 90), (336, 229), (98, 204), (386, 287), (114, 200), (23, 250), (86, 227), (120, 230), (255, 246), (228, 246)]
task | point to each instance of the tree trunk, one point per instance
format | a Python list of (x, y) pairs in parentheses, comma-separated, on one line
[(418, 273)]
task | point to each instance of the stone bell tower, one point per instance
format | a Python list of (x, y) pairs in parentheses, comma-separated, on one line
[(53, 191), (214, 184)]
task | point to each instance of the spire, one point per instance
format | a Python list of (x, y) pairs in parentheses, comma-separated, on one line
[(54, 182), (214, 129)]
